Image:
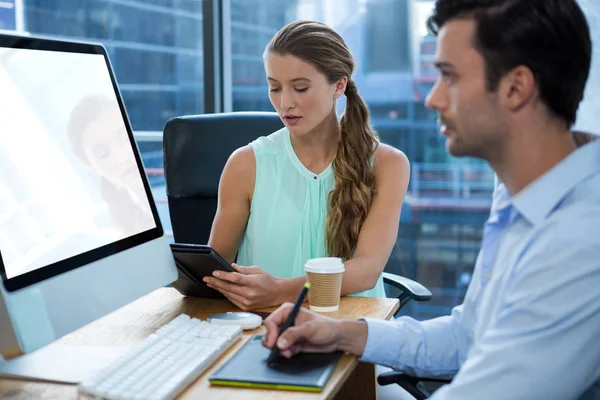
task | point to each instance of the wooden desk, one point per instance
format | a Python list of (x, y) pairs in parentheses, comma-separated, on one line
[(132, 323)]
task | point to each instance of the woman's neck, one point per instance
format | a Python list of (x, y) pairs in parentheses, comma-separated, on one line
[(317, 148)]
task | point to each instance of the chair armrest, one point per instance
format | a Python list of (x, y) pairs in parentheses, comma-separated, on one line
[(408, 382), (410, 288)]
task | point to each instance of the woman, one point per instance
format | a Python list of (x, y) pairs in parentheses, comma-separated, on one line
[(318, 187), (99, 138)]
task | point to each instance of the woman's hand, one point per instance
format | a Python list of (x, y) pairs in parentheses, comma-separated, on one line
[(249, 288)]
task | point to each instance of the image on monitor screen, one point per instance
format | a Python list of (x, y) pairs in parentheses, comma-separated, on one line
[(70, 184), (80, 235)]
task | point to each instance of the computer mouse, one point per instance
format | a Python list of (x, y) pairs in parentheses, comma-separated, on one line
[(244, 319)]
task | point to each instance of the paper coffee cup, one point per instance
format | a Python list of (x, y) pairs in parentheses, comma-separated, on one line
[(325, 278)]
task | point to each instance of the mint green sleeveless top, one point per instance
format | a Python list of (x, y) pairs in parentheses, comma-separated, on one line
[(288, 212)]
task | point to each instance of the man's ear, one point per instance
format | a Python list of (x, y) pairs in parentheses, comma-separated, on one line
[(517, 88), (340, 87)]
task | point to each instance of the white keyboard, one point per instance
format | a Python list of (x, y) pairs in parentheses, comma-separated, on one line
[(164, 363)]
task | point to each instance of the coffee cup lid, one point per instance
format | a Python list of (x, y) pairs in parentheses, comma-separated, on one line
[(324, 265)]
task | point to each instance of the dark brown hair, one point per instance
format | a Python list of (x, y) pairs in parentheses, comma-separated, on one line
[(550, 37)]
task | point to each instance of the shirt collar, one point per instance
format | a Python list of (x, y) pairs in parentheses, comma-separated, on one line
[(536, 201)]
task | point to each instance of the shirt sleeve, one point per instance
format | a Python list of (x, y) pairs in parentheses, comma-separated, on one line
[(543, 343), (430, 348), (435, 348)]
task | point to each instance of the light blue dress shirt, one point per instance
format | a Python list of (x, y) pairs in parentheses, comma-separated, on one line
[(529, 327)]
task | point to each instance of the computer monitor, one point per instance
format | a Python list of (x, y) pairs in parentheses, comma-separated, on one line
[(80, 235)]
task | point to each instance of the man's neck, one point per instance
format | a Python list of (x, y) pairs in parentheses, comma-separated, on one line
[(530, 153)]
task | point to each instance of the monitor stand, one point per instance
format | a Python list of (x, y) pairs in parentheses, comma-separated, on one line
[(60, 363)]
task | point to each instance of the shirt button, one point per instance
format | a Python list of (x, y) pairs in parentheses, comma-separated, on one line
[(315, 177)]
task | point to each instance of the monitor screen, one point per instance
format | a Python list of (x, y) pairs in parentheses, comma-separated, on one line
[(72, 186)]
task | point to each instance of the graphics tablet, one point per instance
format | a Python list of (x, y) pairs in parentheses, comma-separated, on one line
[(248, 368)]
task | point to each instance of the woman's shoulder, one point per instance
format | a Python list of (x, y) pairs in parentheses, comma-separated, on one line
[(273, 143), (240, 166), (243, 161), (388, 158), (245, 156)]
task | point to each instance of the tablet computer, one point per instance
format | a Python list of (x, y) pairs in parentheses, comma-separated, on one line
[(194, 262)]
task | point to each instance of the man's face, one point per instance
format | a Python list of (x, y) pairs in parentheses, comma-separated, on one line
[(470, 116)]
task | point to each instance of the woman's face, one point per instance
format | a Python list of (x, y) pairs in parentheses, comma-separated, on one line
[(301, 95), (107, 148)]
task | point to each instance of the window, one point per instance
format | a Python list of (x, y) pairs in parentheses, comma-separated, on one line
[(588, 118), (387, 36), (155, 48), (8, 19)]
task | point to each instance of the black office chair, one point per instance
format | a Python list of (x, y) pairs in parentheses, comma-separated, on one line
[(196, 148), (419, 388)]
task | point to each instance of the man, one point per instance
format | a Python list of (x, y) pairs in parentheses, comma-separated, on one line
[(513, 74)]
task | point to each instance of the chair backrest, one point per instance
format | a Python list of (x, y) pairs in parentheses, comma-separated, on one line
[(196, 148)]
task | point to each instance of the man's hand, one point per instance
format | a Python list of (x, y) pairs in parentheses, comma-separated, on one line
[(249, 288), (313, 333)]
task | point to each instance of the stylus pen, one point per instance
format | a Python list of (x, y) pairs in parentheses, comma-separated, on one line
[(289, 321)]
